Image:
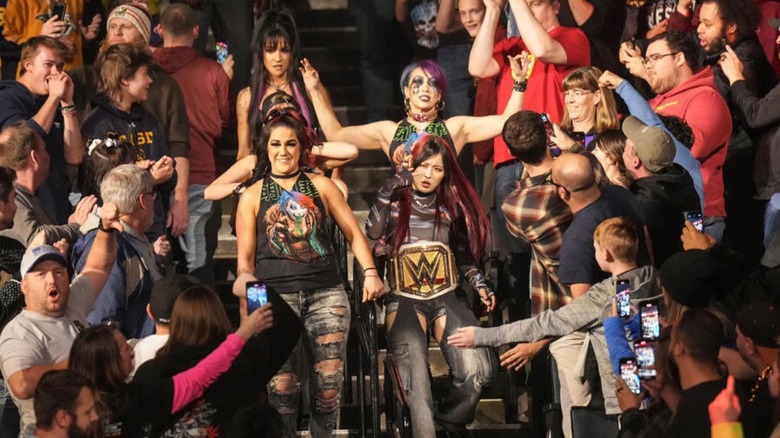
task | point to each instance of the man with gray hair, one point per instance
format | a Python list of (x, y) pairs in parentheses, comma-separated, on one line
[(126, 294)]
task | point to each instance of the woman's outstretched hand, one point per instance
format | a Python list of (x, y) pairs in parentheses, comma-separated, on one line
[(519, 65), (311, 77), (256, 322)]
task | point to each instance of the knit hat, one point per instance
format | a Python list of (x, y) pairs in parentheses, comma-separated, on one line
[(135, 13), (691, 278), (164, 294), (760, 321), (653, 146)]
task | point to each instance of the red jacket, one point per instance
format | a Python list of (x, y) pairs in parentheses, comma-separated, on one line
[(204, 85), (698, 102)]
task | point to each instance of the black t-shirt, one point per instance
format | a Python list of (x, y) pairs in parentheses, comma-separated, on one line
[(578, 258)]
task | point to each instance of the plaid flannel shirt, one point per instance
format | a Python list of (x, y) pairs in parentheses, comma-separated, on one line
[(534, 212)]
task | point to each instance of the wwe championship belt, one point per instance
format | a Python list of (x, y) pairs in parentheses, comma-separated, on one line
[(423, 271)]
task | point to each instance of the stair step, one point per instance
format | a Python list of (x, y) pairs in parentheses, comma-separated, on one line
[(332, 59), (343, 36), (319, 18)]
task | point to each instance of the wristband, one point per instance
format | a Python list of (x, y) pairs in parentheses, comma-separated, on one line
[(104, 229), (369, 269), (239, 189), (520, 85)]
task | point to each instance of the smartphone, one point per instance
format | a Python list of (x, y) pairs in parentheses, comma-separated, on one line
[(623, 298), (629, 372), (222, 51), (648, 317), (58, 10), (695, 218), (256, 295), (645, 358), (555, 151)]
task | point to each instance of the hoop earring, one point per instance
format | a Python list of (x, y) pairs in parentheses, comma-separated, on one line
[(440, 106)]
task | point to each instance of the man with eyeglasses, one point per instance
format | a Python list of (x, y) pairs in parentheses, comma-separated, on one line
[(128, 289), (670, 67), (39, 338)]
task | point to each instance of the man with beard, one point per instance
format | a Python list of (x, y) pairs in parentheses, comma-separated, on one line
[(64, 407), (734, 22)]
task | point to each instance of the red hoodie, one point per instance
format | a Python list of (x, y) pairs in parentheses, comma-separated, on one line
[(698, 102), (204, 85)]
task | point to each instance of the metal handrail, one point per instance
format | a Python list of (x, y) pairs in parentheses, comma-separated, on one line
[(364, 321)]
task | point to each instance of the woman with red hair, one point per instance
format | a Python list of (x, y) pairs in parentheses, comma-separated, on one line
[(433, 229)]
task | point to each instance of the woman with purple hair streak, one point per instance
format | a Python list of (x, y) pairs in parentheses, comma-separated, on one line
[(435, 231), (423, 84)]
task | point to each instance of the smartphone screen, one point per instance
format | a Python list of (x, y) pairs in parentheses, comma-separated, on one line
[(554, 149), (222, 51), (256, 295), (645, 357), (648, 316), (623, 298), (58, 10), (629, 372), (695, 218)]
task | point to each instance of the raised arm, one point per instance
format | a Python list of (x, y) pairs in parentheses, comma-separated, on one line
[(242, 119), (335, 153), (468, 129), (481, 62), (447, 20), (376, 222), (225, 184), (536, 39), (102, 255), (373, 136)]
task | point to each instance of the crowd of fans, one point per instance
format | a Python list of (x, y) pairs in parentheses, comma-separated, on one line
[(615, 160)]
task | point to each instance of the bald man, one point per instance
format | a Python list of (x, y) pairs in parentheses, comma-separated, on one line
[(575, 181)]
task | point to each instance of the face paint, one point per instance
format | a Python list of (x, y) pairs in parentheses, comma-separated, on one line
[(418, 82)]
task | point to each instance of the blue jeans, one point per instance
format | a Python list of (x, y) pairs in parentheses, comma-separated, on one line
[(504, 242), (471, 368), (326, 315), (771, 213), (193, 242)]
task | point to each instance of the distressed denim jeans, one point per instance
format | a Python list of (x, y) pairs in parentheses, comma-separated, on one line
[(325, 314), (471, 369)]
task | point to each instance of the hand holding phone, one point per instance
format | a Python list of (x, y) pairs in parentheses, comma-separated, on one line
[(58, 10), (645, 357), (695, 217), (554, 149), (256, 295)]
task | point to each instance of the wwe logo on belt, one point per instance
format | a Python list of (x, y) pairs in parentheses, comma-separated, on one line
[(424, 270)]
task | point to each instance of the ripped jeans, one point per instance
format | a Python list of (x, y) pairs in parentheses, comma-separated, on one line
[(471, 369), (325, 314)]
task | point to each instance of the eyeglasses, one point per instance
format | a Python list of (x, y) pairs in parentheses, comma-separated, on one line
[(576, 93), (652, 59)]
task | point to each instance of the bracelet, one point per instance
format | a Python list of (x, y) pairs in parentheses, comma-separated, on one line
[(369, 276), (520, 85), (67, 108), (239, 189), (104, 229), (369, 269)]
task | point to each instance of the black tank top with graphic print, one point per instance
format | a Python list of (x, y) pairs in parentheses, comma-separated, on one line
[(406, 134), (294, 248)]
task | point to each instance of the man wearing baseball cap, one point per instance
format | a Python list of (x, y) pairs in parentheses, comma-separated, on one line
[(39, 338), (663, 188)]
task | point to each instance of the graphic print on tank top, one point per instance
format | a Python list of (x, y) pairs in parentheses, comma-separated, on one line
[(406, 134), (291, 222)]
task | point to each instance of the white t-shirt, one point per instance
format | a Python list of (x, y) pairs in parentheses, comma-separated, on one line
[(146, 349), (32, 339)]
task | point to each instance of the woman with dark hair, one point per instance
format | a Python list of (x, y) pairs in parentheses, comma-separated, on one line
[(284, 241), (277, 52), (423, 84), (608, 149), (427, 213), (240, 175), (588, 109), (200, 352)]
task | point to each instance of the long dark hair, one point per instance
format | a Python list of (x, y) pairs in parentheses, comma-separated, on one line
[(96, 355), (276, 27), (454, 193), (306, 138)]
